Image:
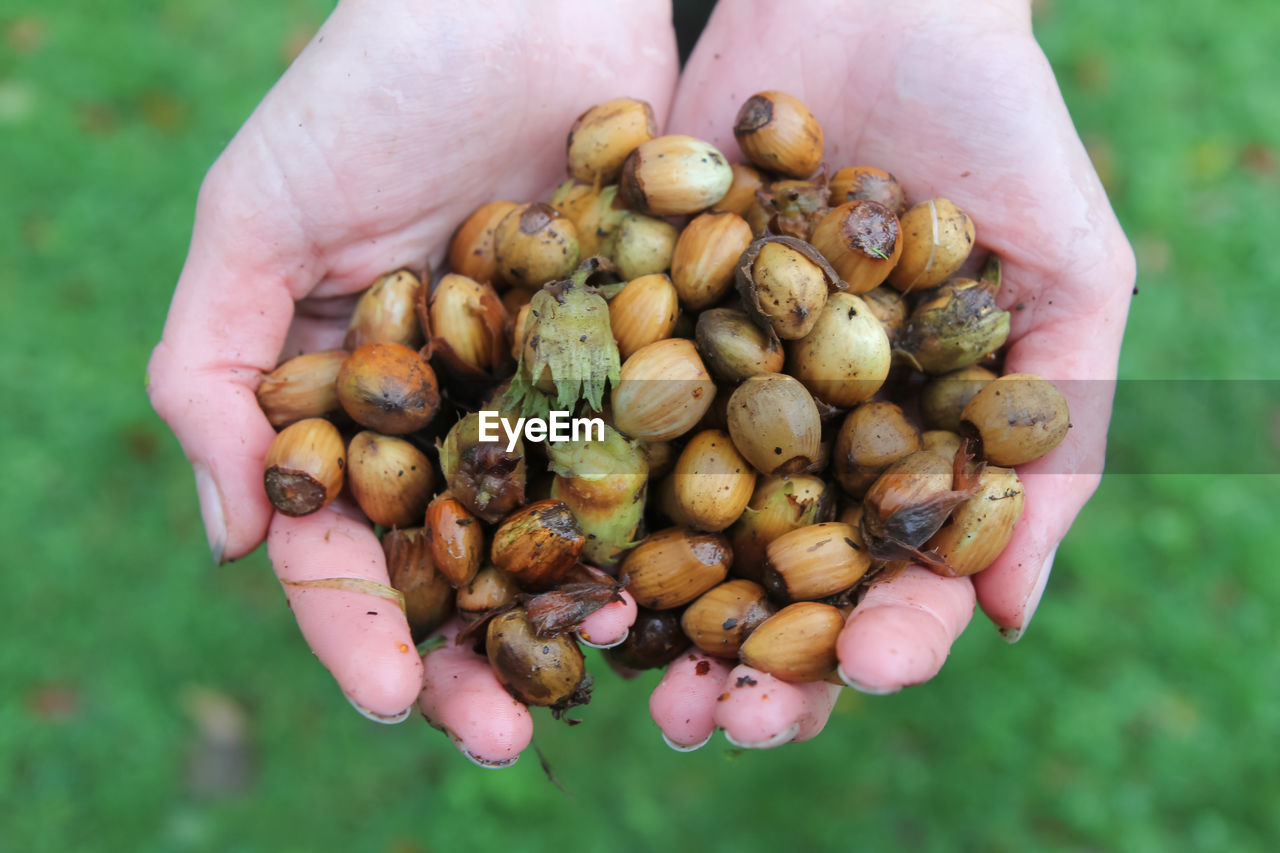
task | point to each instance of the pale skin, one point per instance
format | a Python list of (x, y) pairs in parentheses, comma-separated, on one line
[(398, 120)]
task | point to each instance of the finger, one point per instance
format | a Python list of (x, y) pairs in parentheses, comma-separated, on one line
[(1057, 485), (759, 711), (683, 704), (362, 639), (462, 696), (902, 630), (226, 324), (609, 625)]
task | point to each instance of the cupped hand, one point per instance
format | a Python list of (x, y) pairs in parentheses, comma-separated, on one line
[(957, 100), (395, 122)]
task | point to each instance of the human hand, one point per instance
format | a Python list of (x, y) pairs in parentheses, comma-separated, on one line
[(396, 121), (958, 101)]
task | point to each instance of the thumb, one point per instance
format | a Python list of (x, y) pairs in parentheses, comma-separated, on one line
[(226, 326)]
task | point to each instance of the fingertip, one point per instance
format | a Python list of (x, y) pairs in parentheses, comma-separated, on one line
[(362, 638), (386, 719), (886, 648), (683, 703), (462, 696), (681, 747), (759, 711), (609, 625), (216, 418)]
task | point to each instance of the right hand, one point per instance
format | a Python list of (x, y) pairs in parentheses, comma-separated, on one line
[(396, 121)]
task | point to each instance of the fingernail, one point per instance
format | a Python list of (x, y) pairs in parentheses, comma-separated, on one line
[(486, 763), (388, 719), (785, 736), (587, 642), (215, 522), (1013, 635), (680, 747), (865, 688)]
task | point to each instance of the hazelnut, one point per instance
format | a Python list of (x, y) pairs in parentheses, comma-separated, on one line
[(390, 479), (775, 424), (725, 615), (471, 252), (845, 357), (644, 311), (428, 597), (1017, 418), (777, 132), (712, 482), (798, 643), (304, 467), (674, 175), (604, 135), (534, 244), (705, 256), (302, 387), (388, 388), (674, 566), (937, 237)]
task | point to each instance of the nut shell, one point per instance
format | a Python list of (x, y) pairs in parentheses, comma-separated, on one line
[(674, 175), (469, 327), (1018, 418), (872, 437), (663, 391), (861, 241), (387, 312), (655, 640), (943, 398), (535, 670), (814, 562), (937, 238), (955, 328), (471, 252), (537, 544), (303, 470), (644, 311), (390, 479), (980, 528), (489, 590), (712, 482), (705, 256), (798, 643), (741, 197), (734, 348), (674, 566), (643, 245), (534, 244), (778, 505), (388, 388), (302, 387), (604, 135), (854, 183), (428, 597), (845, 358), (456, 539), (725, 615), (775, 424), (778, 132)]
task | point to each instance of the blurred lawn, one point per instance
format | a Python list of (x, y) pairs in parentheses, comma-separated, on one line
[(1139, 713)]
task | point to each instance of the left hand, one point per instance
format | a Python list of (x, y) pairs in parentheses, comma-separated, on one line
[(959, 101)]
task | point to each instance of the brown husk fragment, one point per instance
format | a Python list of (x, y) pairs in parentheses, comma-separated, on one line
[(564, 608), (903, 509)]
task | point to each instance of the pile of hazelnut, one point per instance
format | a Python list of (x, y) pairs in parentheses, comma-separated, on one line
[(784, 391)]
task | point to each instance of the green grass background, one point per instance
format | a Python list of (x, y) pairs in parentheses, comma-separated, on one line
[(1140, 712)]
